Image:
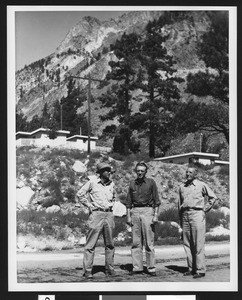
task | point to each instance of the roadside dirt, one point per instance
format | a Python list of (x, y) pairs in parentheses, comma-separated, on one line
[(66, 266)]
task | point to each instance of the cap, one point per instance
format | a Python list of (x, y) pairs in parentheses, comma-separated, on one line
[(102, 166)]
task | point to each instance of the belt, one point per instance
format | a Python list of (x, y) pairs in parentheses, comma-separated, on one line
[(191, 208), (143, 206), (103, 209)]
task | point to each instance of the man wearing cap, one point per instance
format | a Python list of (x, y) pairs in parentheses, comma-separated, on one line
[(101, 219), (142, 213), (192, 209)]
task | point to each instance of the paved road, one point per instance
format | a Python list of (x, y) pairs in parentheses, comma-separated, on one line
[(66, 266)]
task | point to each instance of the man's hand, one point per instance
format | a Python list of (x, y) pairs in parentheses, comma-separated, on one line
[(129, 221), (155, 219), (89, 210)]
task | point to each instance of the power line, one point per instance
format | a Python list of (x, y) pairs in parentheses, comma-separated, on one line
[(90, 79)]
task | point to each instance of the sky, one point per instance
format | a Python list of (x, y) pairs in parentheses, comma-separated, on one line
[(39, 33)]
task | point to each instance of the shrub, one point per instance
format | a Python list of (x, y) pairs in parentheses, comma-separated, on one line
[(170, 184), (55, 187), (170, 214), (73, 220), (215, 218), (117, 156), (217, 238), (72, 177), (70, 194), (95, 154), (42, 223), (55, 162), (224, 170), (166, 230), (120, 226)]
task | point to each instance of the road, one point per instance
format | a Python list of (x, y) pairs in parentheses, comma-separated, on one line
[(66, 266)]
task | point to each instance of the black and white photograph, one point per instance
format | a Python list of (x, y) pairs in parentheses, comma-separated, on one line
[(122, 143)]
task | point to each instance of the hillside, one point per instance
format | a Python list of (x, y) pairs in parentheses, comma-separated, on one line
[(47, 185), (88, 38), (86, 50)]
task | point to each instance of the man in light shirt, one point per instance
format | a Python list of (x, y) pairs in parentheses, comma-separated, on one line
[(192, 209), (101, 219)]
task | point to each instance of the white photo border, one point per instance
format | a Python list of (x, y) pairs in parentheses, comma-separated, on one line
[(120, 286)]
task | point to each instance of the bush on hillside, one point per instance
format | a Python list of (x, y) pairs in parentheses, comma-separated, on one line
[(70, 194), (120, 226), (170, 214), (224, 170), (164, 230), (40, 223), (216, 218)]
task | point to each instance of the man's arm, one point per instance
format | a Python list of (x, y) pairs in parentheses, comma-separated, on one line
[(180, 200), (129, 206), (114, 193), (211, 198), (209, 205), (129, 221), (155, 218), (157, 202), (82, 193)]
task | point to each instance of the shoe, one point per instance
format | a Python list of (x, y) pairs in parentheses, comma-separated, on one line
[(188, 273), (199, 275), (88, 275), (135, 272), (110, 273), (153, 274)]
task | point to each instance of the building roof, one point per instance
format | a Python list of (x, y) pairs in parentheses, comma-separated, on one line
[(29, 134), (221, 162), (200, 154), (81, 137)]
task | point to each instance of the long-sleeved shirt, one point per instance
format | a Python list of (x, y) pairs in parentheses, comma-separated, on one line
[(101, 195), (142, 194), (193, 195)]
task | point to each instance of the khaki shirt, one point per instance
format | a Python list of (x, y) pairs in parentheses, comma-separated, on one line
[(101, 195), (193, 195)]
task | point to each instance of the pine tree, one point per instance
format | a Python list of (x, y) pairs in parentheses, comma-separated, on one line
[(45, 119), (119, 97), (21, 122), (35, 123), (158, 82), (213, 50), (71, 120)]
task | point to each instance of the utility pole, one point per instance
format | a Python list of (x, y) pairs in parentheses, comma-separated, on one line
[(61, 115), (201, 139), (90, 79)]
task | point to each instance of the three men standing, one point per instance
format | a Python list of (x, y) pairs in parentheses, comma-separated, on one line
[(142, 205), (192, 209), (101, 219), (142, 213)]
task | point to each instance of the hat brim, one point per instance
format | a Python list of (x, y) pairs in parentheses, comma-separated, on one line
[(104, 169)]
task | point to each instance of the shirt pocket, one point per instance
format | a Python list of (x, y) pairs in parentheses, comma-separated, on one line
[(134, 194)]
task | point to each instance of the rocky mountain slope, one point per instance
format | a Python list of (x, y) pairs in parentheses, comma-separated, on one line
[(85, 49)]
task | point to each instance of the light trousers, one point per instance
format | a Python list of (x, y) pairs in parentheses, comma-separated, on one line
[(143, 235), (99, 223), (194, 229)]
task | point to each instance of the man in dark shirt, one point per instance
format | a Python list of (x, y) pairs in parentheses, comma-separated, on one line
[(142, 213)]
